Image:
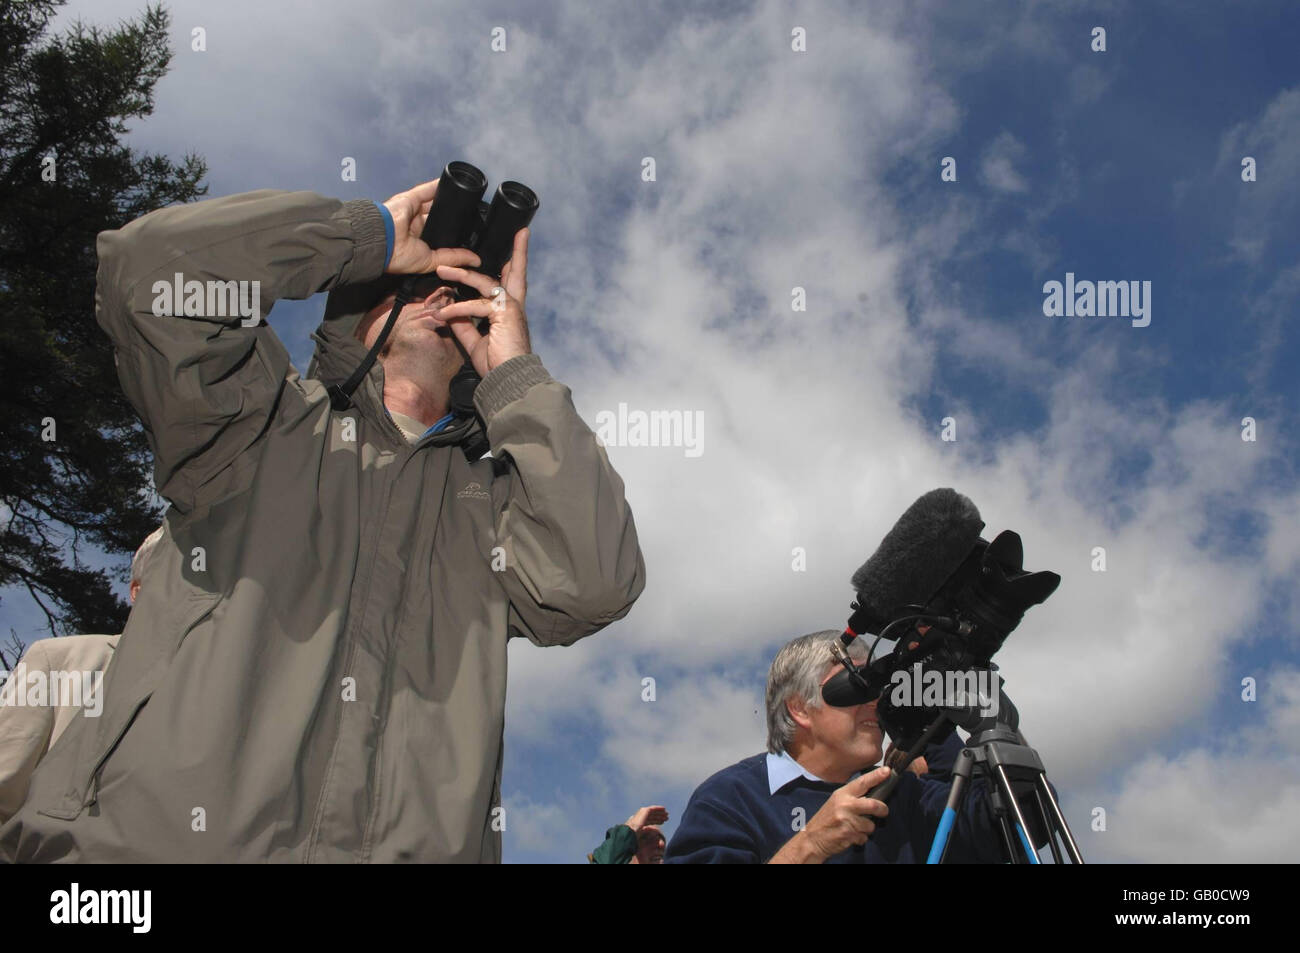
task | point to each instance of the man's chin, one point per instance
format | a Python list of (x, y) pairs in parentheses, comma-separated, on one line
[(872, 748)]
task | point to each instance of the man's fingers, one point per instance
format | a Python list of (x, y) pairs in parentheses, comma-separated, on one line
[(479, 282), (413, 201), (469, 339), (467, 309), (865, 782), (424, 192), (863, 824), (645, 816), (869, 805), (450, 257), (516, 282)]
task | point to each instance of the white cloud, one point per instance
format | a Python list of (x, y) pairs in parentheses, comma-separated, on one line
[(999, 161), (537, 826), (1266, 210), (1230, 801)]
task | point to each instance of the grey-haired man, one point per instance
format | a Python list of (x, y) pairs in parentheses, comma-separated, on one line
[(803, 800)]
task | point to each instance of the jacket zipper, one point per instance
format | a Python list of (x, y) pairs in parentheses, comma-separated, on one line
[(387, 686), (313, 835)]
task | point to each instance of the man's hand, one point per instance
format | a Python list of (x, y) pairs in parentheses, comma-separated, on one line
[(654, 814), (844, 820), (918, 765), (411, 256), (507, 335)]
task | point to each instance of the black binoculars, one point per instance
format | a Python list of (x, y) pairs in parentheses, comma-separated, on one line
[(459, 218)]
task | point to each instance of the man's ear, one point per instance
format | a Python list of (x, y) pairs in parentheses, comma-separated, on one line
[(798, 711)]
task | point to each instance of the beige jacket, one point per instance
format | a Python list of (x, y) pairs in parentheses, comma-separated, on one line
[(53, 683)]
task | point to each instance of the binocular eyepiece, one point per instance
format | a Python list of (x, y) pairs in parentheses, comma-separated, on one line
[(459, 218)]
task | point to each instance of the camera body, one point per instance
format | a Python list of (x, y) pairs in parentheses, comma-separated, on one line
[(966, 621)]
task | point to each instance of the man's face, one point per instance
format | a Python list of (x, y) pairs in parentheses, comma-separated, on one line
[(851, 734), (415, 341), (650, 845)]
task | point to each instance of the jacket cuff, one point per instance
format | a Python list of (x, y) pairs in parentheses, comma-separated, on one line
[(508, 382), (370, 242)]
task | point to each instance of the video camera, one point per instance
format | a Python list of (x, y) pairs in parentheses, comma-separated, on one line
[(948, 637)]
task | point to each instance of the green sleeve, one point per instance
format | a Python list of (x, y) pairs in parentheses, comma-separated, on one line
[(619, 846)]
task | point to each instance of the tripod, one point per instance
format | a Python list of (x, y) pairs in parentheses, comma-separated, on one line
[(998, 752)]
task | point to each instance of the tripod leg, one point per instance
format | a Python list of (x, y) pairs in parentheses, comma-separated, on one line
[(1022, 828), (1071, 847), (1014, 854), (1047, 826), (943, 836), (939, 847)]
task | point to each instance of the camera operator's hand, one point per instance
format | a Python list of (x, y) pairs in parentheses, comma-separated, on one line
[(411, 256), (507, 335), (844, 820), (918, 765)]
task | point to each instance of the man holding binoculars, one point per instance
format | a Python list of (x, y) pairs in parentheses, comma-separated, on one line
[(317, 671)]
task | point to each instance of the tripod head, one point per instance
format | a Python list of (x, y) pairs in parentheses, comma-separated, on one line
[(1015, 775)]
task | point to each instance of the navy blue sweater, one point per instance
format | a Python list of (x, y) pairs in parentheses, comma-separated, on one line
[(733, 819)]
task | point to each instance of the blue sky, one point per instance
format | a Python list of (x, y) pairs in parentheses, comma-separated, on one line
[(820, 169)]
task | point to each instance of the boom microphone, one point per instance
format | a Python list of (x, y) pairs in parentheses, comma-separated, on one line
[(915, 558)]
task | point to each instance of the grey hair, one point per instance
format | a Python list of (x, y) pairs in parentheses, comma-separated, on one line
[(796, 672), (140, 561)]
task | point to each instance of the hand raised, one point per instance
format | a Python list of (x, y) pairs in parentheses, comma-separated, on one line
[(411, 256), (507, 335)]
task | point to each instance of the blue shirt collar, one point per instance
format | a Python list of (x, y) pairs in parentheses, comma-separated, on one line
[(782, 769)]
